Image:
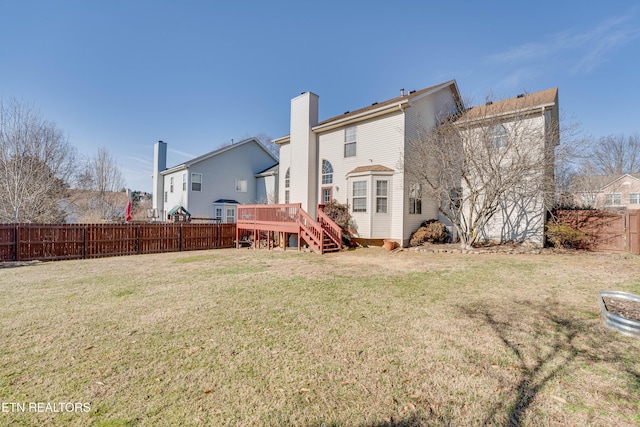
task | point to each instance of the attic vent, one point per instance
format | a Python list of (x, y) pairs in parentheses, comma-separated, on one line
[(489, 102), (521, 95), (375, 103)]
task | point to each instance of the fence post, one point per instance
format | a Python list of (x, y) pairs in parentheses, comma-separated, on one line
[(17, 236), (180, 238), (84, 242), (138, 233)]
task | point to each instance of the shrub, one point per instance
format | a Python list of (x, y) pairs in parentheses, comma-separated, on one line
[(563, 236), (431, 231), (339, 213)]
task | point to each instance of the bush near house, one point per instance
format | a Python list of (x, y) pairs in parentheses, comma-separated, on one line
[(339, 213), (431, 231)]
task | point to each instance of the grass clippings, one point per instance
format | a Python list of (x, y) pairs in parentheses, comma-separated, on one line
[(364, 338)]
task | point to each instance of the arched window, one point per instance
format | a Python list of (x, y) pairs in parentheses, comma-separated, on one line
[(327, 172), (287, 181), (499, 136)]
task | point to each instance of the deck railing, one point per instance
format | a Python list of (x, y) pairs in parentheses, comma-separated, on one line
[(312, 230), (332, 229), (272, 215), (289, 218)]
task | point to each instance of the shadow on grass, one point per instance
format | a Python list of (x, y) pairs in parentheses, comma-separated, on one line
[(552, 352)]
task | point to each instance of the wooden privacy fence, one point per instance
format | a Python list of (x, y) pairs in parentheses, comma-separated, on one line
[(607, 230), (49, 242)]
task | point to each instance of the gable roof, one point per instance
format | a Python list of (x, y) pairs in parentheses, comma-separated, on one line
[(520, 103), (380, 108), (216, 152), (403, 99), (591, 183)]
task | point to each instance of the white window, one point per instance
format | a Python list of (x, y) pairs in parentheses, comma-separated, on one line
[(634, 198), (499, 136), (231, 215), (327, 173), (196, 182), (350, 141), (241, 185), (326, 195), (171, 185), (360, 196), (415, 198), (381, 196), (287, 181), (184, 182), (218, 214), (588, 199), (613, 199)]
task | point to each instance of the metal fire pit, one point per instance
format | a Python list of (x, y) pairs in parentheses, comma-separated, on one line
[(614, 321)]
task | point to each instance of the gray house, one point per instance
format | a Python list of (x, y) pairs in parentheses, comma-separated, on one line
[(212, 185)]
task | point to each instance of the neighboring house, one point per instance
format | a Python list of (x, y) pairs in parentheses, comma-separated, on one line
[(357, 158), (212, 185), (607, 191)]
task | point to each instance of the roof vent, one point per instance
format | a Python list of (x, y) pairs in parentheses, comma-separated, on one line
[(402, 92), (520, 95), (375, 103), (347, 112), (413, 91), (489, 102)]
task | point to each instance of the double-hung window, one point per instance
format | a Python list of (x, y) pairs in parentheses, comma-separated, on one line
[(171, 185), (415, 198), (196, 182), (360, 196), (350, 141), (634, 198), (381, 196), (184, 182)]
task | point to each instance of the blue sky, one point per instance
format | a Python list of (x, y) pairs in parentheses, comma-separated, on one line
[(195, 74)]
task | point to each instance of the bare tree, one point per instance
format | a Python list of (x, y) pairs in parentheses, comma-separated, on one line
[(269, 144), (615, 155), (101, 183), (489, 170), (36, 165)]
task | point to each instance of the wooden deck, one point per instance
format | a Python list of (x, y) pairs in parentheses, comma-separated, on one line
[(322, 235)]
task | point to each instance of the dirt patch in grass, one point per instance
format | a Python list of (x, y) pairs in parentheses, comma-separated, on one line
[(365, 337)]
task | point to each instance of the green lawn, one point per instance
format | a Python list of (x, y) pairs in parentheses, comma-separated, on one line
[(360, 338)]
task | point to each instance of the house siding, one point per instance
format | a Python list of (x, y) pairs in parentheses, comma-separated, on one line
[(421, 117), (219, 174), (521, 219), (378, 142)]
